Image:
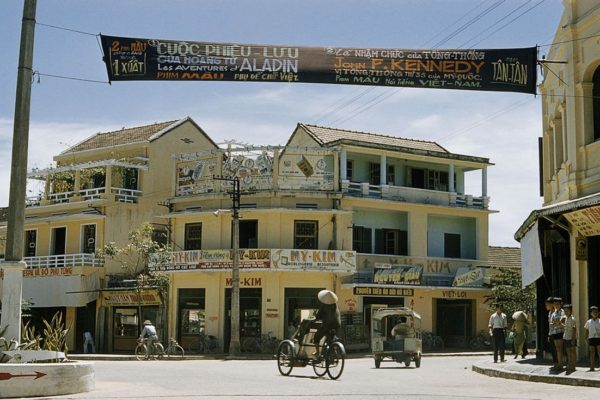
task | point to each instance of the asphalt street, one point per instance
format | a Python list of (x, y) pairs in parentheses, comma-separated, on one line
[(438, 378)]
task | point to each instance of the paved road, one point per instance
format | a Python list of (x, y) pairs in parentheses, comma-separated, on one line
[(438, 378)]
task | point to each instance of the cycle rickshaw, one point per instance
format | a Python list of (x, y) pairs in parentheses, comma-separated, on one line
[(298, 352), (396, 334)]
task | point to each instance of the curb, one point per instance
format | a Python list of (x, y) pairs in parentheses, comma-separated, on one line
[(523, 376)]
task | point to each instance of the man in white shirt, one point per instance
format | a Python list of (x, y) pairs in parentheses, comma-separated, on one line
[(497, 327)]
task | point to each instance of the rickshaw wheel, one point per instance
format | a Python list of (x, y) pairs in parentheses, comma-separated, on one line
[(377, 362), (418, 361), (407, 363), (320, 367), (335, 359), (285, 358)]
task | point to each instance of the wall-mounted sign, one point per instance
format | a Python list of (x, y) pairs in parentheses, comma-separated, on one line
[(313, 260), (399, 275), (581, 248), (382, 291), (194, 260), (454, 294), (586, 221), (469, 277), (308, 171), (131, 298), (506, 70)]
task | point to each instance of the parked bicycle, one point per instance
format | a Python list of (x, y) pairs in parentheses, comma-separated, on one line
[(156, 352), (265, 343), (481, 341), (174, 350), (204, 344), (432, 342)]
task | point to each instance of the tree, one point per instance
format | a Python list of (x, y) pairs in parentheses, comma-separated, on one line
[(508, 292)]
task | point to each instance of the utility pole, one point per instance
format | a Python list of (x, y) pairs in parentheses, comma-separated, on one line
[(234, 341), (14, 265)]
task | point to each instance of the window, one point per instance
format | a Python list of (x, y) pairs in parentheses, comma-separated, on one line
[(193, 236), (596, 94), (305, 234), (159, 235), (429, 179), (88, 239), (391, 175), (349, 169), (248, 234), (30, 243), (391, 241), (130, 179), (361, 239), (375, 176), (451, 245)]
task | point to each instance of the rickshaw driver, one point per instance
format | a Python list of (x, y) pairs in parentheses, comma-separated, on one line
[(329, 316)]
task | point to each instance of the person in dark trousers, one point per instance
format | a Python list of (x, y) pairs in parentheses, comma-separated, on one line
[(550, 308), (329, 316), (497, 325), (556, 332)]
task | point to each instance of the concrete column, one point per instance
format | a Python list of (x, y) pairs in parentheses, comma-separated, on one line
[(451, 178), (275, 171), (336, 171), (383, 169), (11, 298), (343, 165), (108, 181), (484, 182), (558, 143)]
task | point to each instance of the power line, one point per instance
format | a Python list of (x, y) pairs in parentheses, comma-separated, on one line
[(66, 29), (66, 77), (568, 41)]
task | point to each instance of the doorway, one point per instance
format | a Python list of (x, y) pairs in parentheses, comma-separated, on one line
[(454, 322), (250, 315), (59, 241)]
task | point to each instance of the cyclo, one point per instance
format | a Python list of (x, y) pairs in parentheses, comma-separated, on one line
[(396, 334), (299, 352)]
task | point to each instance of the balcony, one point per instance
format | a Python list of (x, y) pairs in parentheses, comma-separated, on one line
[(413, 195), (64, 260)]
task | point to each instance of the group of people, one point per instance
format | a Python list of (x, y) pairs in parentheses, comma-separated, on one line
[(563, 334), (498, 325)]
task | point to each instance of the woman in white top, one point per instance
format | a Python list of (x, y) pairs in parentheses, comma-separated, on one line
[(592, 334)]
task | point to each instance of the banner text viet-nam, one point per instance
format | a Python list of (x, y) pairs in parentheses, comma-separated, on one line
[(506, 70)]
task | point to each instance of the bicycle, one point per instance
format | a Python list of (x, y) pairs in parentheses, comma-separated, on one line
[(174, 350), (204, 344), (141, 352), (265, 343), (431, 341)]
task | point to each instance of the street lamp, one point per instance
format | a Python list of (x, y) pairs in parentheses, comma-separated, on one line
[(234, 341)]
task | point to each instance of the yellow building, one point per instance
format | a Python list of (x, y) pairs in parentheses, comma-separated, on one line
[(380, 220), (561, 240)]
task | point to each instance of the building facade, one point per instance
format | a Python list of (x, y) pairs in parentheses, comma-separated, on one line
[(380, 220), (561, 241)]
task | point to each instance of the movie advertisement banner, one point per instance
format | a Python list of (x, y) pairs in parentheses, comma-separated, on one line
[(505, 70)]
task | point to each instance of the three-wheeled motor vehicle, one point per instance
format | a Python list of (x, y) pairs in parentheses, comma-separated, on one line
[(396, 334)]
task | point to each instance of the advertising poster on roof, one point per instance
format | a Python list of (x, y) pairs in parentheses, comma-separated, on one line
[(506, 70), (306, 171)]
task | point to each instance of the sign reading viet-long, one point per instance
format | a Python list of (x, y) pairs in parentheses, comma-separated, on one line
[(507, 70)]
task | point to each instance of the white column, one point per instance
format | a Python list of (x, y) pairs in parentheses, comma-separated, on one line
[(12, 288), (383, 170), (343, 165), (451, 178), (484, 182)]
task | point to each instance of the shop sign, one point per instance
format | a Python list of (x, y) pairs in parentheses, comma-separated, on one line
[(586, 221), (454, 294), (43, 271), (581, 249), (382, 291), (431, 265), (399, 275), (246, 282), (131, 298), (313, 260), (194, 260), (469, 277)]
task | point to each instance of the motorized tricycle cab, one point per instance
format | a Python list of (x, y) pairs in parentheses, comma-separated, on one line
[(396, 334)]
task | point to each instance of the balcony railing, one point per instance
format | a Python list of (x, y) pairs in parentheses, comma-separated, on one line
[(120, 194), (62, 197), (63, 260), (126, 195), (92, 194)]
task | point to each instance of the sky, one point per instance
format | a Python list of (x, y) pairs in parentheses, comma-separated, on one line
[(503, 127)]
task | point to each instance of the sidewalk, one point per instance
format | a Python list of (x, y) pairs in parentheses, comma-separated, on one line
[(534, 370)]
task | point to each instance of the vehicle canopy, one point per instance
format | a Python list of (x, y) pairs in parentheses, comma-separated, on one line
[(382, 313)]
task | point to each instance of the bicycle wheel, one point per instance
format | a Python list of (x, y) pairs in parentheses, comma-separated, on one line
[(250, 345), (140, 351), (211, 345), (285, 358), (320, 366), (335, 360), (159, 351), (196, 347), (175, 351)]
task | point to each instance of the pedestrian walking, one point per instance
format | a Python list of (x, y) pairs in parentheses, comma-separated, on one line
[(570, 337), (88, 341), (592, 335), (557, 331), (497, 327), (520, 329)]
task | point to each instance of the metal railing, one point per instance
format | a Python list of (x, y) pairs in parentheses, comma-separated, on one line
[(64, 260), (92, 194), (126, 195)]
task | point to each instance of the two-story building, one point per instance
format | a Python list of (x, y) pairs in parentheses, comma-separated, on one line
[(561, 241), (380, 220)]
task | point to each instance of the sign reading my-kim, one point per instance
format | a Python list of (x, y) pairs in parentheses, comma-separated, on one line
[(506, 70)]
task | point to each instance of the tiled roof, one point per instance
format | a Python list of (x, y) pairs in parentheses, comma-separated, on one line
[(120, 137), (325, 136), (504, 257)]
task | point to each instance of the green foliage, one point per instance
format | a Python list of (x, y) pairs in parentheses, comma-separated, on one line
[(134, 256), (508, 292)]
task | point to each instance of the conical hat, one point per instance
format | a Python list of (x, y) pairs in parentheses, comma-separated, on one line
[(327, 297)]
